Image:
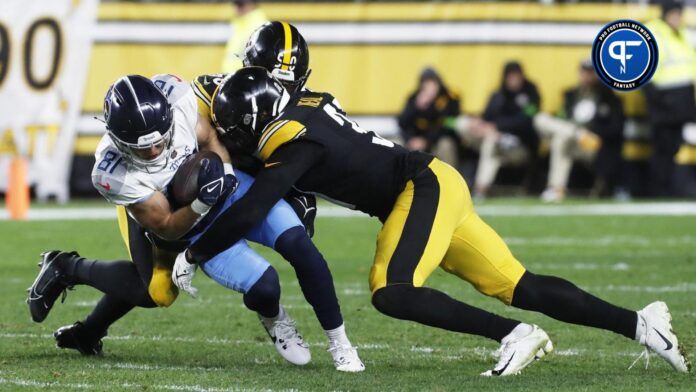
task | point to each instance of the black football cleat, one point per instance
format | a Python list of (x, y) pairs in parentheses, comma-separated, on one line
[(78, 337), (49, 284)]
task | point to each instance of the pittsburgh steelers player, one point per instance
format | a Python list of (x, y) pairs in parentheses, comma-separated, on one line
[(152, 126), (306, 141)]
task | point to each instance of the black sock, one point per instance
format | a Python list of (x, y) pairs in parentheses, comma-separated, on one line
[(107, 311), (436, 309), (119, 279), (264, 296), (313, 275), (562, 300)]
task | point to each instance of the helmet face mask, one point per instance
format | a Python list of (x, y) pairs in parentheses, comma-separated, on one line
[(140, 122), (150, 153)]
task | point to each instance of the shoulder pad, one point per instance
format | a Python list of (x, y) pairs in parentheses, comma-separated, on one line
[(276, 134), (173, 87), (204, 87)]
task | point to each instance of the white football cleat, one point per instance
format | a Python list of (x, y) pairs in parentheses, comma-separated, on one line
[(655, 323), (287, 341), (346, 358), (517, 352)]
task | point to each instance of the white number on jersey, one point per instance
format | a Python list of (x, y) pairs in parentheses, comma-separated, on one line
[(341, 119)]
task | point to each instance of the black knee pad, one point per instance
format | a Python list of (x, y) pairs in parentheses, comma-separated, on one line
[(293, 244), (393, 300), (265, 291)]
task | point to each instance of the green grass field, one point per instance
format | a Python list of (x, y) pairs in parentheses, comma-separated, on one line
[(216, 345)]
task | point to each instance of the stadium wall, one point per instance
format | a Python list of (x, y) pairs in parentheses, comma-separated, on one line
[(367, 54)]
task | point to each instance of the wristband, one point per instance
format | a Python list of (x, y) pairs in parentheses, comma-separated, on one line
[(228, 168), (199, 207)]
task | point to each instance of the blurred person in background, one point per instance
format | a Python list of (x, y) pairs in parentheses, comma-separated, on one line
[(670, 95), (423, 119), (505, 133), (248, 17), (590, 130)]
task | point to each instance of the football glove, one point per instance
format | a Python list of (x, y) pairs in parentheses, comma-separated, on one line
[(182, 274), (305, 206), (215, 182)]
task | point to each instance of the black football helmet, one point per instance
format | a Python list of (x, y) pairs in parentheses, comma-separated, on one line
[(244, 104), (281, 49), (139, 120)]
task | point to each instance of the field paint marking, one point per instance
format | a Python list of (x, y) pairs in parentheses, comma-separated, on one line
[(580, 266), (147, 367), (20, 382), (421, 350), (606, 209), (610, 240), (676, 288), (165, 339), (33, 383)]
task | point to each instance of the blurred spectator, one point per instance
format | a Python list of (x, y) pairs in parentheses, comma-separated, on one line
[(248, 17), (422, 121), (670, 95), (590, 130), (505, 132)]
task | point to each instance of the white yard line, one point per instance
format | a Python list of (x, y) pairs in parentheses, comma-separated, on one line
[(148, 367), (414, 349), (604, 241), (684, 287), (22, 382), (606, 209)]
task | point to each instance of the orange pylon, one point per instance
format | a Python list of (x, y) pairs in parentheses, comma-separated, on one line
[(17, 196)]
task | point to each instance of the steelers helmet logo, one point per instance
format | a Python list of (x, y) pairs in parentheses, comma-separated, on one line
[(624, 55)]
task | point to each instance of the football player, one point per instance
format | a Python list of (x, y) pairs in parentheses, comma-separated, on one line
[(152, 127), (308, 142), (282, 50)]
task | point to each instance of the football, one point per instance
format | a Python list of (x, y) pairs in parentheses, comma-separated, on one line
[(185, 183)]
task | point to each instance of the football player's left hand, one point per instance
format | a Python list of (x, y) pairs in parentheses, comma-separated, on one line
[(182, 274)]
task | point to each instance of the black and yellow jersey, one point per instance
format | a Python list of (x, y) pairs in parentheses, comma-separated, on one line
[(204, 87), (358, 169)]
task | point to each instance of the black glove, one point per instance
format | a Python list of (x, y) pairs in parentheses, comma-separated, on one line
[(305, 206), (213, 183)]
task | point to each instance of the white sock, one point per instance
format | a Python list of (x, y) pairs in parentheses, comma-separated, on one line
[(518, 332), (337, 336), (640, 328), (268, 321)]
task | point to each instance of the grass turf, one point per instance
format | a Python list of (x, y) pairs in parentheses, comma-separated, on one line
[(216, 345)]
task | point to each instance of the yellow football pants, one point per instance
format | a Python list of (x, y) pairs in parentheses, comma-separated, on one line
[(433, 223), (154, 265)]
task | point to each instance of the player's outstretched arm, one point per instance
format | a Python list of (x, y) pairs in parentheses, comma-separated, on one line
[(281, 170)]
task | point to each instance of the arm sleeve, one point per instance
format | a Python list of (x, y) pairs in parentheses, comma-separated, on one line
[(271, 184)]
